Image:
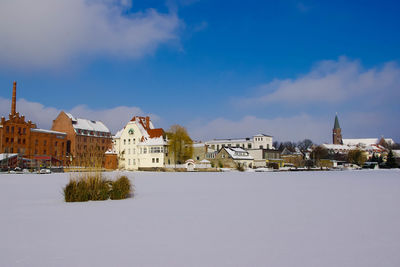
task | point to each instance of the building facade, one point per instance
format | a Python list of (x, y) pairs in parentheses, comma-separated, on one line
[(232, 157), (140, 146), (259, 141), (39, 147), (86, 140)]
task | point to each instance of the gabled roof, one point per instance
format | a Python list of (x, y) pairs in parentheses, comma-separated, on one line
[(238, 153), (150, 135), (88, 125)]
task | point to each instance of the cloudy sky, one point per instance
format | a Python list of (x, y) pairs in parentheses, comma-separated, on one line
[(220, 68)]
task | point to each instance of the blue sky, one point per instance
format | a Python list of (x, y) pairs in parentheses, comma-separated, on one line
[(220, 68)]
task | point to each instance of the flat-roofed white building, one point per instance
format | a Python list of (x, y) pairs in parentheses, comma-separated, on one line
[(140, 145), (259, 141)]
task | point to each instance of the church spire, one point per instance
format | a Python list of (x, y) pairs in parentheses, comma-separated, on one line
[(337, 132), (336, 126)]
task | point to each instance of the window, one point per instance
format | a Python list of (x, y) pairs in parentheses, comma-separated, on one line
[(7, 129), (36, 142), (261, 147), (156, 149), (129, 162), (12, 140), (144, 150), (153, 160), (35, 151), (12, 129), (124, 141), (129, 141), (129, 151), (55, 143), (19, 130), (44, 151), (6, 139), (23, 141), (133, 140), (248, 145), (45, 142), (134, 162), (24, 131), (157, 160), (133, 151)]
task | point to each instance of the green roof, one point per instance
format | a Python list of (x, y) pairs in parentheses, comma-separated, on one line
[(337, 126)]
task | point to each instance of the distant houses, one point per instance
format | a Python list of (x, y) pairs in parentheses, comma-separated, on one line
[(79, 142)]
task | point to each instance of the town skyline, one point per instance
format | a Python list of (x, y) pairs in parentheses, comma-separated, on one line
[(274, 74)]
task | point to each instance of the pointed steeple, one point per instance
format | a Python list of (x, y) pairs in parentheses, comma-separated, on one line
[(336, 126), (337, 132)]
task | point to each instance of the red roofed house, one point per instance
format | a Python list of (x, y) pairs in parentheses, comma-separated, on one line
[(140, 146)]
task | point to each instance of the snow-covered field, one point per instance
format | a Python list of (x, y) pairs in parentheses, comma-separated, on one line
[(348, 218)]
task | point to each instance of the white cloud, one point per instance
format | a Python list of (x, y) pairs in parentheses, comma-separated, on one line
[(333, 82), (114, 118), (51, 33)]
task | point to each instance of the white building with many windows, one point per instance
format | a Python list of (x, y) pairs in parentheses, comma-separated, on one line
[(259, 141), (140, 145)]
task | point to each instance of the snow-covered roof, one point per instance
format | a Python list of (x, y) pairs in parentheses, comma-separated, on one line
[(337, 147), (156, 141), (47, 131), (360, 141), (110, 151), (7, 155), (238, 153), (396, 153), (119, 133), (366, 141), (198, 145), (262, 135), (237, 140), (88, 125)]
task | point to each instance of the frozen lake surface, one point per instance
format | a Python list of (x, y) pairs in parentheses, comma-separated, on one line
[(321, 219)]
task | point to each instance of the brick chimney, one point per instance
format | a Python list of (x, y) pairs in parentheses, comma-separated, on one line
[(147, 122), (14, 99)]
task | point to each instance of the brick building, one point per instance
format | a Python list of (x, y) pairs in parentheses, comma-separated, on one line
[(87, 140), (38, 147)]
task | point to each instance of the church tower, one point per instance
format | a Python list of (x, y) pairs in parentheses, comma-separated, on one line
[(337, 132)]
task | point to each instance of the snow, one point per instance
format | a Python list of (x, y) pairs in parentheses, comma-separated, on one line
[(97, 126), (7, 155), (156, 141), (330, 219), (47, 131), (366, 141), (238, 153), (89, 125)]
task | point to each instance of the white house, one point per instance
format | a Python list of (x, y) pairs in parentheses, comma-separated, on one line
[(140, 145), (259, 141)]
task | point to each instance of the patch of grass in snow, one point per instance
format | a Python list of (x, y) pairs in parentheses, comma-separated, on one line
[(93, 186), (121, 188)]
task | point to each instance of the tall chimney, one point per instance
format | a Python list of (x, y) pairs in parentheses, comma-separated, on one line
[(14, 99), (147, 122)]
